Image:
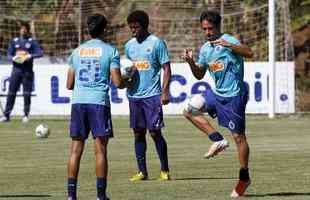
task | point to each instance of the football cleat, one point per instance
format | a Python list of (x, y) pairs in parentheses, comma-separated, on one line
[(164, 176), (138, 177), (25, 119), (105, 198), (240, 188), (216, 148), (4, 119)]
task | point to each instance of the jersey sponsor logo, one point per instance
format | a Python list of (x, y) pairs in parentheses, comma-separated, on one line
[(90, 52), (215, 67), (17, 46), (142, 65)]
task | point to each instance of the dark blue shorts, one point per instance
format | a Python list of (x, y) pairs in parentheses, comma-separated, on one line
[(90, 117), (230, 111), (146, 113)]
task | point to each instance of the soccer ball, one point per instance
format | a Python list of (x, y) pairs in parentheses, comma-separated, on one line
[(126, 68), (42, 131)]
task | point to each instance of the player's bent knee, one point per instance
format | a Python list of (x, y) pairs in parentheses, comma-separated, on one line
[(194, 106)]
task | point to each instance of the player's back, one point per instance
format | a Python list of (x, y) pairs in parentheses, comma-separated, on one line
[(92, 62)]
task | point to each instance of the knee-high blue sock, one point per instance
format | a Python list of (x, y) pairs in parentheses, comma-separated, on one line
[(72, 182), (140, 148), (101, 187), (161, 148)]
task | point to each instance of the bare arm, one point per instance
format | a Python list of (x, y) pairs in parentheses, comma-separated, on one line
[(197, 70), (70, 78), (166, 84), (242, 50), (117, 78)]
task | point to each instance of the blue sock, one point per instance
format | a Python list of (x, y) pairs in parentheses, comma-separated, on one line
[(215, 136), (140, 148), (72, 182), (161, 148), (101, 187)]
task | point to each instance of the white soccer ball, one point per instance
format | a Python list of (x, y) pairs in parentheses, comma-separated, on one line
[(42, 131), (126, 68)]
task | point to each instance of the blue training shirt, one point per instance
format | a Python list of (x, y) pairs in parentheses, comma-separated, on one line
[(92, 62), (148, 57), (225, 67), (28, 45)]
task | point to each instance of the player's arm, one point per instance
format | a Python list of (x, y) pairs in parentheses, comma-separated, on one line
[(241, 49), (37, 50), (11, 51), (116, 78), (166, 82), (197, 69), (70, 78)]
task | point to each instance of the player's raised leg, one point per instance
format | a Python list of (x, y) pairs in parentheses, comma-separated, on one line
[(76, 151), (194, 113), (101, 166), (243, 153)]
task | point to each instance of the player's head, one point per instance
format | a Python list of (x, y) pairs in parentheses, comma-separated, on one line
[(24, 29), (138, 22), (96, 25), (211, 24)]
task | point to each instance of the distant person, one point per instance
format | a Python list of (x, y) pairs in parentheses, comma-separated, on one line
[(91, 66), (222, 56), (22, 50), (146, 95)]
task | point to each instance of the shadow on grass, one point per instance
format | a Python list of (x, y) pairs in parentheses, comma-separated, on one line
[(24, 196), (280, 194)]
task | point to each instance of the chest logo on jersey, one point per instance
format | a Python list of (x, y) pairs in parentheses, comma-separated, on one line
[(215, 67), (218, 48), (149, 50), (90, 52), (27, 45), (142, 65)]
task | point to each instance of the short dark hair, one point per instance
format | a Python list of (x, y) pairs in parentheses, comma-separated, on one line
[(96, 24), (211, 16), (26, 25), (139, 16)]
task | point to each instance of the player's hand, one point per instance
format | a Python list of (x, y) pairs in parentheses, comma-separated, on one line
[(188, 55), (164, 98), (221, 42)]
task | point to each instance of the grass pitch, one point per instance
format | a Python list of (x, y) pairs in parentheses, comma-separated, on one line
[(32, 168)]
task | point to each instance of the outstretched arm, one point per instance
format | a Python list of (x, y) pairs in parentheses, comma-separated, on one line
[(197, 70), (242, 50)]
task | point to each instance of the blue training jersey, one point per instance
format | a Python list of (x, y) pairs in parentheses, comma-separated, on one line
[(28, 45), (225, 67), (92, 62), (148, 57)]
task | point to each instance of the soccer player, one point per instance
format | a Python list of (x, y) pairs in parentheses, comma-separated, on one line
[(22, 50), (91, 65), (146, 96), (222, 56)]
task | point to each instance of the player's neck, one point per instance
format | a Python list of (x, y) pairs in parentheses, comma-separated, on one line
[(143, 36)]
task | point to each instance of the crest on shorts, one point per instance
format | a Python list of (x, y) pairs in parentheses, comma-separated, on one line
[(231, 125)]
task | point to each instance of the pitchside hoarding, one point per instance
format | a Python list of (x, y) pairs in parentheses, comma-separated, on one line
[(50, 96)]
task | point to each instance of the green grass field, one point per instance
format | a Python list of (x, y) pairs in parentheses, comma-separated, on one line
[(32, 168)]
